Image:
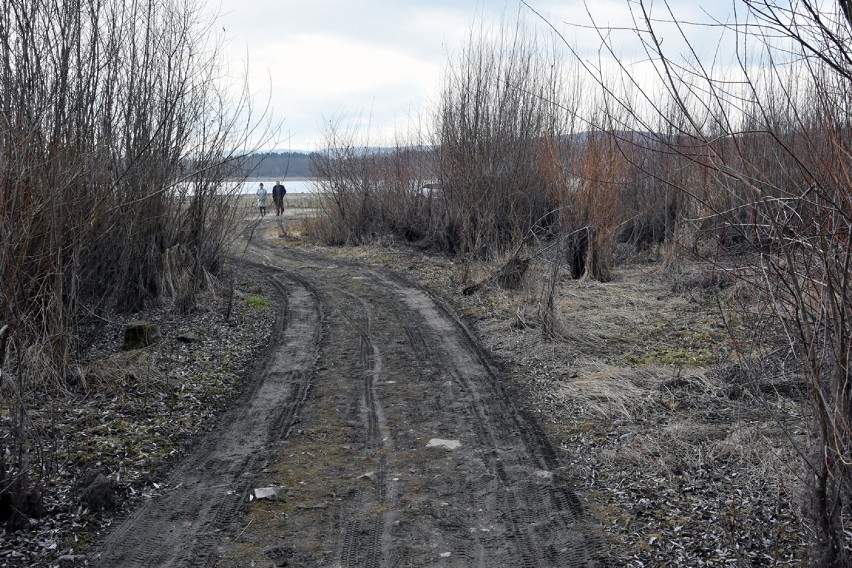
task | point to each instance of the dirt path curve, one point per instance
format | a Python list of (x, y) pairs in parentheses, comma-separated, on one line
[(207, 490), (399, 441)]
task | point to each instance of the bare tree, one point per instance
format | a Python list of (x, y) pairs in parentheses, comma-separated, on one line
[(504, 97)]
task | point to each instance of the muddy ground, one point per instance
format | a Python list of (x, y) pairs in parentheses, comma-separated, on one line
[(397, 422), (667, 392), (386, 431)]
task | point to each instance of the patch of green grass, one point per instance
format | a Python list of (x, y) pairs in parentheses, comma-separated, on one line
[(258, 303)]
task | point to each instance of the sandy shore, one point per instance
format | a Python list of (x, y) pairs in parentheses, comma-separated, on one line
[(291, 200)]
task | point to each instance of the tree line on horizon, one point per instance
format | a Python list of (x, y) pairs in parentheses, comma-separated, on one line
[(276, 165)]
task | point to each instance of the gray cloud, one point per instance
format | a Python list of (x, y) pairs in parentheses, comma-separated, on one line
[(346, 58)]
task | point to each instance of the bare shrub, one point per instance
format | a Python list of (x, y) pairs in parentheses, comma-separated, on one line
[(504, 103), (369, 192), (593, 211), (478, 190), (117, 135)]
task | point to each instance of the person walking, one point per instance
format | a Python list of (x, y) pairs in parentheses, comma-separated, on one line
[(261, 200), (278, 193)]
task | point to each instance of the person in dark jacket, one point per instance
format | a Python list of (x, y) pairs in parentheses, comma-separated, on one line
[(278, 193)]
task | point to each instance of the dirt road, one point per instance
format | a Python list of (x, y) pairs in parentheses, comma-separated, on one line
[(391, 434)]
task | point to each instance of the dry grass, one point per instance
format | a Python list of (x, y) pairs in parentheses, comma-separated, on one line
[(112, 374), (291, 201), (670, 442), (607, 392)]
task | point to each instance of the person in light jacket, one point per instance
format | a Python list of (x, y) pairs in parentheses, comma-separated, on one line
[(261, 200)]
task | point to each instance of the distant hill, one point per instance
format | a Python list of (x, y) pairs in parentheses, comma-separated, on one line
[(278, 165), (271, 165), (274, 165)]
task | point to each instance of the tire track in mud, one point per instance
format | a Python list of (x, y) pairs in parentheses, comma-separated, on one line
[(361, 545), (540, 513), (183, 526), (498, 499), (390, 369)]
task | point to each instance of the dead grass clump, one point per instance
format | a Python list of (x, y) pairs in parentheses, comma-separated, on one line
[(607, 391), (113, 375), (709, 280), (762, 376), (182, 278), (510, 276), (689, 391), (670, 450), (753, 443)]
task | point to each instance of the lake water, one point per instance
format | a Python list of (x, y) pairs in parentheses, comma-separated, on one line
[(292, 186)]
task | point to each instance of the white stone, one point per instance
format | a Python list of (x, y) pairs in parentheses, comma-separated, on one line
[(446, 444)]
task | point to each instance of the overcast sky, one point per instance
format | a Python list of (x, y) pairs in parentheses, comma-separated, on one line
[(381, 60)]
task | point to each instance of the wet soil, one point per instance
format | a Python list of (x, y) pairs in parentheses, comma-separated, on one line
[(393, 436)]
